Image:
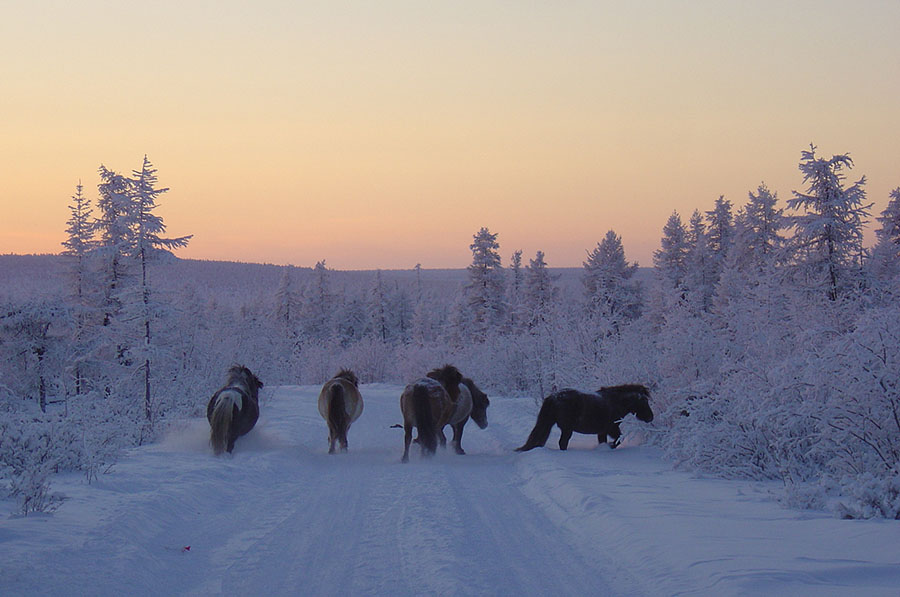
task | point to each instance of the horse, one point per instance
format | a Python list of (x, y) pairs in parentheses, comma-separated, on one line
[(427, 404), (472, 403), (234, 409), (598, 413), (340, 404)]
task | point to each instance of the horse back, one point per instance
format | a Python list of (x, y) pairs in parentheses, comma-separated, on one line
[(441, 405)]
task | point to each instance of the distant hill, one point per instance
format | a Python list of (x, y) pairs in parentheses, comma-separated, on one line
[(27, 276)]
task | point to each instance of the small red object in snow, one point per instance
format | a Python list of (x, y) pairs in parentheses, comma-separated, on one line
[(186, 548)]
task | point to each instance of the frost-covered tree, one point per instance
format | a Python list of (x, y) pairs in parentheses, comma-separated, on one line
[(540, 291), (828, 234), (720, 231), (378, 310), (758, 225), (485, 290), (79, 241), (288, 301), (318, 304), (516, 284), (116, 235), (701, 268), (885, 261), (609, 291), (78, 246), (670, 259), (148, 245)]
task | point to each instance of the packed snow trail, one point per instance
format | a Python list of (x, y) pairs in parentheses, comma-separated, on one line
[(282, 517)]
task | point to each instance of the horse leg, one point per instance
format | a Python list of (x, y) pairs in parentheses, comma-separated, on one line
[(457, 436), (343, 440), (564, 438), (616, 434), (331, 443), (601, 438), (442, 438), (407, 438)]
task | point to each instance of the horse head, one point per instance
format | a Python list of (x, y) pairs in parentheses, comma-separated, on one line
[(242, 373), (480, 403), (640, 405)]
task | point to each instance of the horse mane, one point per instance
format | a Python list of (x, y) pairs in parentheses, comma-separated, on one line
[(478, 397), (449, 377), (348, 375)]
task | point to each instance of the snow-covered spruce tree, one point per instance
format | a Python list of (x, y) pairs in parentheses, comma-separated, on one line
[(758, 230), (485, 290), (318, 305), (609, 292), (884, 265), (402, 312), (288, 302), (351, 318), (116, 237), (378, 311), (540, 293), (539, 311), (827, 242), (286, 319), (720, 232), (79, 243), (701, 270), (670, 260), (514, 290), (78, 247), (148, 246)]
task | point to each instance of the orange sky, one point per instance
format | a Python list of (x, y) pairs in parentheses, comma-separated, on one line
[(384, 134)]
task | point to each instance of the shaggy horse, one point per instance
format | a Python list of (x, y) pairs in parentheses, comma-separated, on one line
[(234, 409), (340, 404), (598, 413), (427, 404), (472, 403)]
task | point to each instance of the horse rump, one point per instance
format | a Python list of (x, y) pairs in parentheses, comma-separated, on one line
[(541, 432), (421, 403), (220, 419), (337, 417)]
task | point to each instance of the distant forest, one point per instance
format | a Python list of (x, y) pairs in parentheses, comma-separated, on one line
[(768, 334)]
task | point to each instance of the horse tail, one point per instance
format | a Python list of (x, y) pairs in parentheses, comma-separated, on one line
[(540, 433), (424, 420), (220, 421), (337, 410)]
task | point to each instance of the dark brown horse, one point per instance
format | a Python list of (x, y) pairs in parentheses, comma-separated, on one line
[(340, 404), (598, 413), (427, 404), (234, 409)]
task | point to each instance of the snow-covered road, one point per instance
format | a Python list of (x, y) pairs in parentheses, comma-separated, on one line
[(282, 517)]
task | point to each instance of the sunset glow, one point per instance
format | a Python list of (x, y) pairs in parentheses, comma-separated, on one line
[(384, 134)]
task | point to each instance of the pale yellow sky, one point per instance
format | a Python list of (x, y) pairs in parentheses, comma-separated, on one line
[(384, 134)]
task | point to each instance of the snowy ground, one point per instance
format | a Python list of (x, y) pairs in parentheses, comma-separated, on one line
[(282, 517)]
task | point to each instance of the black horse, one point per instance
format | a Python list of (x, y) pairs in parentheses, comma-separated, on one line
[(234, 409), (478, 403), (598, 413)]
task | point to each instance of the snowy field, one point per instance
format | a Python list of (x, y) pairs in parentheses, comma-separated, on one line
[(282, 517)]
